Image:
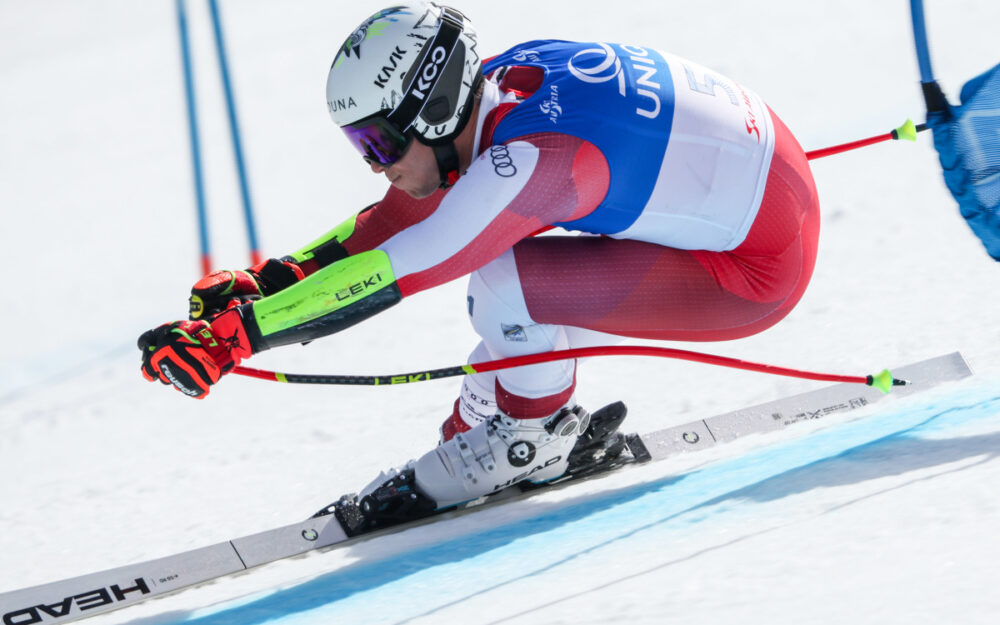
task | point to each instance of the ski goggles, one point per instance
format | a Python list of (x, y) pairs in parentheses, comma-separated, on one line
[(378, 140)]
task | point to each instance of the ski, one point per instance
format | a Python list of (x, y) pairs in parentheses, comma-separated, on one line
[(97, 593)]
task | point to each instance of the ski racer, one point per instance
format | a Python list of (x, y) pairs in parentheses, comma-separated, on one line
[(691, 211)]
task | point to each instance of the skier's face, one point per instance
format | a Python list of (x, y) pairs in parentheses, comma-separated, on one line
[(416, 173)]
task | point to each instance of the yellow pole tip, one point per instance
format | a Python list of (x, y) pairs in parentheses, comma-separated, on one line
[(883, 381), (907, 131)]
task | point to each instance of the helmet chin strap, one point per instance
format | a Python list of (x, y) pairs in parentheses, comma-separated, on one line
[(447, 162), (446, 154)]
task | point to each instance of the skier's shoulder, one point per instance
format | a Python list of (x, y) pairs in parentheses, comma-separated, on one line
[(524, 52)]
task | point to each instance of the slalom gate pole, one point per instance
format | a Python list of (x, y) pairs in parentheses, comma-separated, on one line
[(234, 131), (192, 115), (907, 131), (933, 96), (920, 41), (882, 381)]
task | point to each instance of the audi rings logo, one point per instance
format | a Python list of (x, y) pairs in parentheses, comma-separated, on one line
[(597, 65), (503, 164)]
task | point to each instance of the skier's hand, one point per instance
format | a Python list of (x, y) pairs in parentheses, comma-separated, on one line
[(224, 289), (193, 355), (220, 290)]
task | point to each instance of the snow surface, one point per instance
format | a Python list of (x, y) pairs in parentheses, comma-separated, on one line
[(887, 519)]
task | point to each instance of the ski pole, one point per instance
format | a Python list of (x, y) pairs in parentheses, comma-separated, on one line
[(882, 381), (907, 131)]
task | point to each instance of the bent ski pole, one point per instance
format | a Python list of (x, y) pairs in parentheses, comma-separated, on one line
[(882, 381)]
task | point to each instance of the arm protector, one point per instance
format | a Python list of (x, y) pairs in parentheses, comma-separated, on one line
[(338, 291), (335, 297)]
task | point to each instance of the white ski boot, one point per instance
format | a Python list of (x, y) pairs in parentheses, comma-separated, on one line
[(499, 453)]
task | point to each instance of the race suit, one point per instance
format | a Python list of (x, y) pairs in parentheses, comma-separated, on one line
[(698, 213)]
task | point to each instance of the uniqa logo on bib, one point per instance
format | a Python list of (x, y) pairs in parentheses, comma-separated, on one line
[(602, 64), (607, 67)]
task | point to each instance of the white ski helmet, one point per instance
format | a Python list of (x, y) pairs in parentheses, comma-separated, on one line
[(408, 71)]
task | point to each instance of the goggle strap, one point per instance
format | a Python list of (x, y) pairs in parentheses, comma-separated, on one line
[(415, 98)]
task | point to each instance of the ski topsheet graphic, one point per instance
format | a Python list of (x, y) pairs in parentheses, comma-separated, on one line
[(96, 593)]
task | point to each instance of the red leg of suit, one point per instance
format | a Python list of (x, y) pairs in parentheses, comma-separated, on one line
[(643, 290)]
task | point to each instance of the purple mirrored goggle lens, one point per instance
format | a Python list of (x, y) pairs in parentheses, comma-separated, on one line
[(377, 140)]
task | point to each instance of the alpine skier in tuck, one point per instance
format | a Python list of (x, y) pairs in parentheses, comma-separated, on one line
[(698, 213)]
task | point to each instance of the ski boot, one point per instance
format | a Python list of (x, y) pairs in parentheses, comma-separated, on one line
[(396, 501), (497, 453)]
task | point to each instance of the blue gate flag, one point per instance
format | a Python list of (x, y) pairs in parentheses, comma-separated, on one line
[(967, 139)]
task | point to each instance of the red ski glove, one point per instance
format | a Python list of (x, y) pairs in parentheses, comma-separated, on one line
[(193, 355), (221, 290)]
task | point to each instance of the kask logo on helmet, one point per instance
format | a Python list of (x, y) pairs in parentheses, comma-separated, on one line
[(602, 64), (389, 68)]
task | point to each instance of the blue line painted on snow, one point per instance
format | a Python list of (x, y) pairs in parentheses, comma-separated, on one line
[(425, 581)]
